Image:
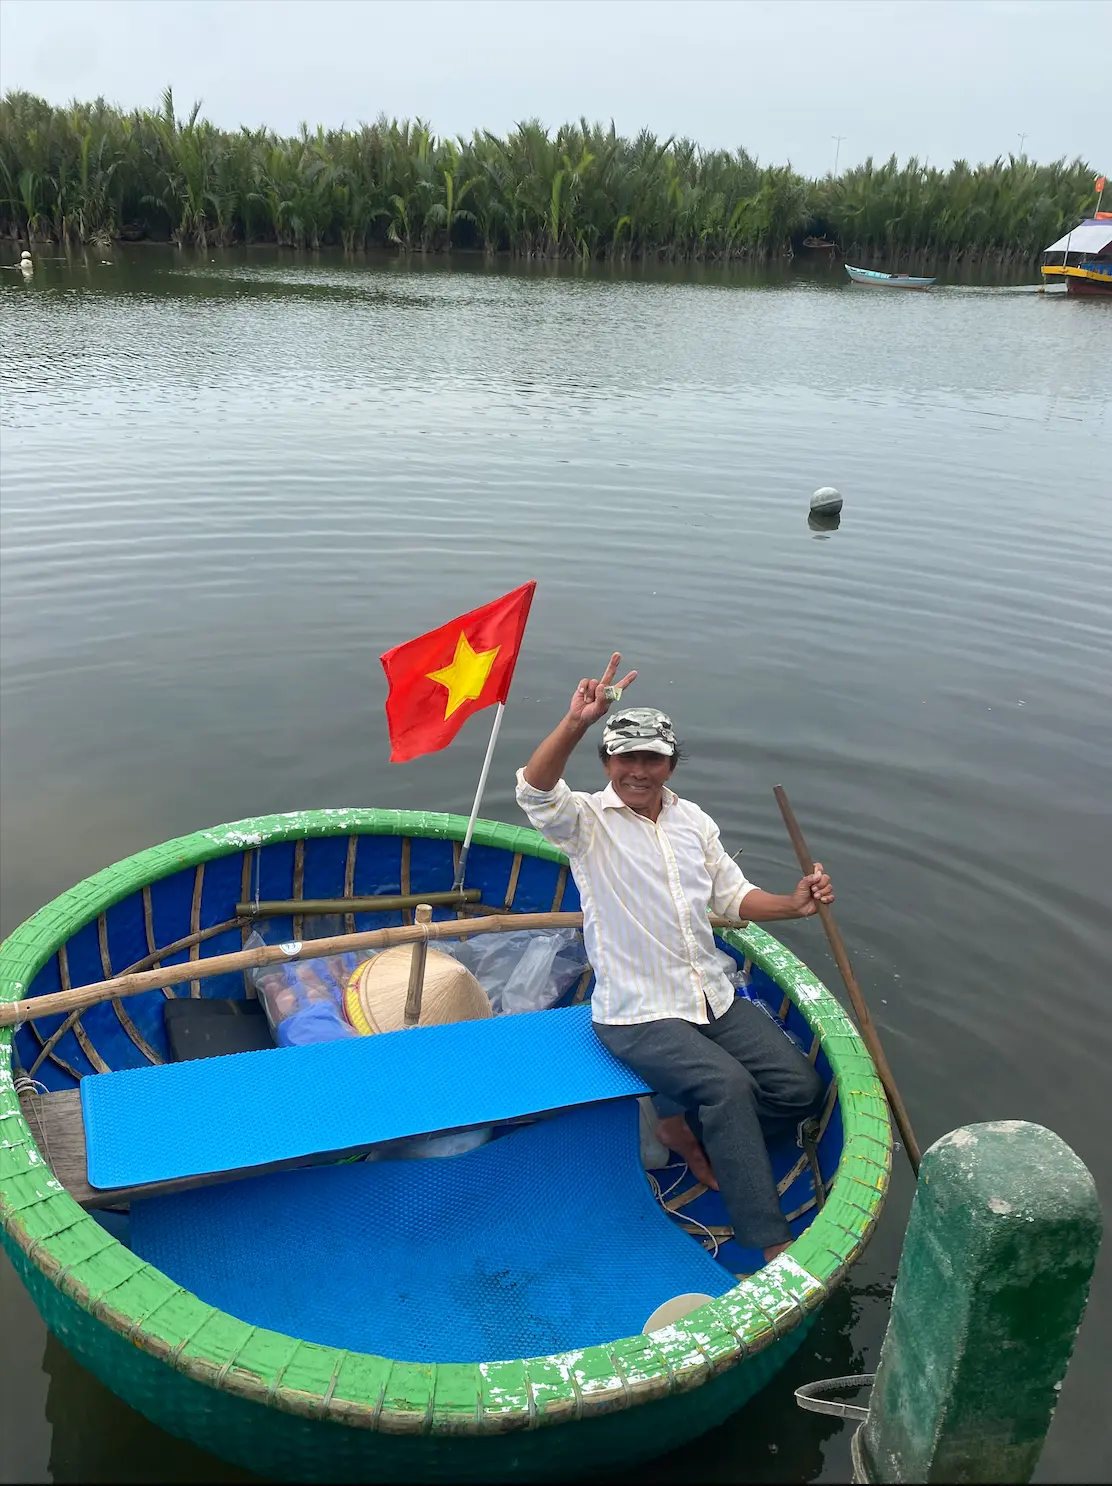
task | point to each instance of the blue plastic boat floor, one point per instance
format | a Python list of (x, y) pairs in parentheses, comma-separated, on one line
[(544, 1240), (253, 1109)]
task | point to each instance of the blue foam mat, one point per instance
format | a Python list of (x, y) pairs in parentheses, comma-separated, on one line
[(544, 1240), (251, 1109)]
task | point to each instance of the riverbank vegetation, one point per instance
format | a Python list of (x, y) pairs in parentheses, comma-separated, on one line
[(89, 173)]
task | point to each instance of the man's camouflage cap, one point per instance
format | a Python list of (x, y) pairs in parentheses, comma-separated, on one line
[(639, 730)]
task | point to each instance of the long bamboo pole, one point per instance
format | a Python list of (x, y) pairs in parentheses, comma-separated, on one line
[(864, 1021), (310, 907), (14, 1012)]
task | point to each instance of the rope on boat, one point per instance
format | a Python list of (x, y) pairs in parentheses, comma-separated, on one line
[(809, 1132), (807, 1396), (712, 1242), (808, 1135), (28, 1085)]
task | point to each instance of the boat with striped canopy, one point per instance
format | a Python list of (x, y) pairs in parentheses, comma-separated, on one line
[(477, 1317)]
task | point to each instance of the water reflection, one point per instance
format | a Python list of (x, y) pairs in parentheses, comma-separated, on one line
[(97, 1438), (822, 523)]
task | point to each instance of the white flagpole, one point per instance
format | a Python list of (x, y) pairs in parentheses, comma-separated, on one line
[(462, 868)]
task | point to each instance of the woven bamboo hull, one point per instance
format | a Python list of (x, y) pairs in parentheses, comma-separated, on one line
[(302, 1411), (283, 1446)]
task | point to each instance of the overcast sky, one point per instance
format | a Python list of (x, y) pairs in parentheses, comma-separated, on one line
[(940, 79)]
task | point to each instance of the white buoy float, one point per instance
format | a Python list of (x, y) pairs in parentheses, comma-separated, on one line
[(826, 501), (26, 263)]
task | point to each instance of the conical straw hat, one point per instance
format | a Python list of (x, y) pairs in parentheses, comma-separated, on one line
[(375, 996)]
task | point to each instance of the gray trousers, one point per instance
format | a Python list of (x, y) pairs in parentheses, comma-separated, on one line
[(742, 1079)]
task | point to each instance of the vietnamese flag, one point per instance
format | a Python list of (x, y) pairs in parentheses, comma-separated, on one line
[(439, 680), (1099, 183)]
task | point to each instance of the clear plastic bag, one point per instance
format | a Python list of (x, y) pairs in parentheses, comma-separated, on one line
[(432, 1147), (526, 970), (303, 999)]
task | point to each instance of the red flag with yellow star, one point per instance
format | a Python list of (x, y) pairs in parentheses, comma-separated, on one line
[(439, 680)]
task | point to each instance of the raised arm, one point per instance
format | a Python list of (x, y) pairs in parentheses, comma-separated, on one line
[(546, 767)]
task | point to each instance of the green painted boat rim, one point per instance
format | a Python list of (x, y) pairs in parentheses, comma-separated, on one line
[(137, 1301)]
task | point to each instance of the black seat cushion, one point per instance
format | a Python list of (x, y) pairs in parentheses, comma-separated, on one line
[(207, 1027)]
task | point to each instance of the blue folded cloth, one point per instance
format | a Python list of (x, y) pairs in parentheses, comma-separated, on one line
[(318, 1022)]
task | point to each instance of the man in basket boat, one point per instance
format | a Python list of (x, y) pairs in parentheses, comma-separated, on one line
[(650, 868)]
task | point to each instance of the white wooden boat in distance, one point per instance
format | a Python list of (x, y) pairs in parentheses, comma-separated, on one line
[(887, 280)]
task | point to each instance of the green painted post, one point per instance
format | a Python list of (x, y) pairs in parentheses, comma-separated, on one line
[(992, 1285)]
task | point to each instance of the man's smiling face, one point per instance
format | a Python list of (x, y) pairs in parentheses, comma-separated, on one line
[(639, 778)]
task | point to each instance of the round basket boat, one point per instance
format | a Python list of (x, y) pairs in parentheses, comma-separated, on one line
[(303, 1410)]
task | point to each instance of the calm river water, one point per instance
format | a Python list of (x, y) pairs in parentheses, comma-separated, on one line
[(231, 480)]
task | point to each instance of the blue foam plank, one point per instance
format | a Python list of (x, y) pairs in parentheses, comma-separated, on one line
[(158, 1123)]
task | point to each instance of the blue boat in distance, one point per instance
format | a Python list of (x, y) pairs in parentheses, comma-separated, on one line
[(887, 280)]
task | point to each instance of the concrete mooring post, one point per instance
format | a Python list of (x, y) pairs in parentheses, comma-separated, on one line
[(992, 1285)]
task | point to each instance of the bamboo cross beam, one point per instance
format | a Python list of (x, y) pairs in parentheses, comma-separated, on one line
[(79, 997), (308, 907)]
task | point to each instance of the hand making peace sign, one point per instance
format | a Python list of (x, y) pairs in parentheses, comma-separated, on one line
[(590, 701)]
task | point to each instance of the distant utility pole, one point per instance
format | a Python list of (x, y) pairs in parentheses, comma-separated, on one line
[(1022, 138), (837, 149)]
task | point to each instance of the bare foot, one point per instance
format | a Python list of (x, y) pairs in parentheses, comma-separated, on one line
[(677, 1135), (776, 1248)]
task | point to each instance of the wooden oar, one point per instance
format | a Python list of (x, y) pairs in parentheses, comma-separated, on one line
[(864, 1021), (79, 997)]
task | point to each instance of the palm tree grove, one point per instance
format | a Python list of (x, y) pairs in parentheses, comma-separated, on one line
[(90, 173)]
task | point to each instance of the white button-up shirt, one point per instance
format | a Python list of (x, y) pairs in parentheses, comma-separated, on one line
[(646, 889)]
